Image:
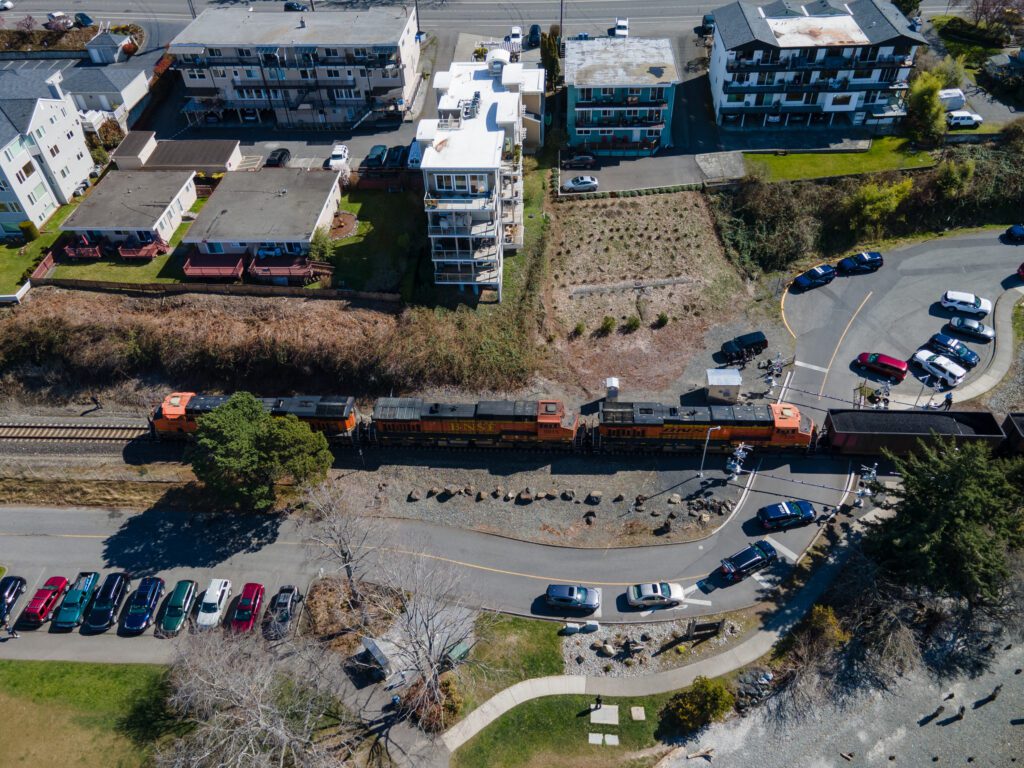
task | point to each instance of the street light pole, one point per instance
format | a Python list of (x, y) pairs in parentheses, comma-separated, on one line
[(707, 439)]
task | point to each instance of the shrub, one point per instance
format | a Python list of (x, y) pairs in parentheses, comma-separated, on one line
[(434, 717), (99, 155), (110, 133), (29, 231), (607, 325), (662, 320), (703, 702), (926, 117), (320, 247), (953, 178), (632, 324), (950, 71), (579, 329), (872, 205), (824, 626)]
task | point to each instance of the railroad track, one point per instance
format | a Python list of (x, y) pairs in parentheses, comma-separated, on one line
[(73, 432)]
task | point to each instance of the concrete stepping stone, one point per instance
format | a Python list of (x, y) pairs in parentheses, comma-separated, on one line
[(611, 740), (595, 738), (605, 715), (638, 713)]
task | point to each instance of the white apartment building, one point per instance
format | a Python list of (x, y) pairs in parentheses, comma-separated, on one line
[(811, 64), (326, 68), (43, 155), (473, 168)]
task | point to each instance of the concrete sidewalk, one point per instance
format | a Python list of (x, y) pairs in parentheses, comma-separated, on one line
[(745, 653), (1005, 344)]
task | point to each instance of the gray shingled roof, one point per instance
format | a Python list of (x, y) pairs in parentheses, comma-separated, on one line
[(107, 38), (98, 79), (21, 88), (740, 23), (128, 200)]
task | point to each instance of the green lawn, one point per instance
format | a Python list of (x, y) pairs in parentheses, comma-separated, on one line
[(511, 649), (552, 731), (887, 153), (13, 263), (974, 54), (390, 234), (96, 714), (162, 269)]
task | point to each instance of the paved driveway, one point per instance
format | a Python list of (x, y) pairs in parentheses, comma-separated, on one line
[(893, 311)]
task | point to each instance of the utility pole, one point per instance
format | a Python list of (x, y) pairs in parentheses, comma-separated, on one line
[(191, 8), (419, 31), (561, 18)]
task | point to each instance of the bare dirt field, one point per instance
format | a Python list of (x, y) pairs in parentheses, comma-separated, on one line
[(639, 258)]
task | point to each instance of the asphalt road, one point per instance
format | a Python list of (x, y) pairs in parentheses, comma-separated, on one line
[(497, 573), (894, 311)]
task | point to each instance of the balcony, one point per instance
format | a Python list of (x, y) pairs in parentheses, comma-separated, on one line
[(482, 256), (466, 276), (621, 122), (829, 62), (460, 229), (447, 201), (621, 103), (818, 86)]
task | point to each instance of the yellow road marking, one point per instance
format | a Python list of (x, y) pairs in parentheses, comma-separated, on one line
[(840, 343), (782, 308)]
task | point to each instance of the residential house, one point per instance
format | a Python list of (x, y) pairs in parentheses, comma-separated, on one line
[(263, 220), (1005, 65), (109, 92), (110, 47), (473, 168), (328, 68), (621, 92), (139, 150), (43, 154), (820, 64), (137, 211)]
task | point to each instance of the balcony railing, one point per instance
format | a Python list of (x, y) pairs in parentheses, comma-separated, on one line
[(481, 256), (476, 229), (620, 104), (620, 122), (441, 201), (466, 276), (840, 84), (829, 62)]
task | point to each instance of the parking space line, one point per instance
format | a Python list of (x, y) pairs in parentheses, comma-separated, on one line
[(835, 352), (783, 550), (760, 579), (802, 364)]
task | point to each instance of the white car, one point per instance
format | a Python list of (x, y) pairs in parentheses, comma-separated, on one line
[(959, 301), (656, 595), (621, 27), (215, 602), (516, 36), (961, 118), (940, 366), (6, 5), (339, 157), (580, 184)]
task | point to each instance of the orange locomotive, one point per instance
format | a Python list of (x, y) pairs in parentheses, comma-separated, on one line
[(653, 426), (493, 424), (335, 416)]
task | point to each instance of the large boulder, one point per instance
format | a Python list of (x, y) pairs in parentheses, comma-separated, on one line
[(594, 497)]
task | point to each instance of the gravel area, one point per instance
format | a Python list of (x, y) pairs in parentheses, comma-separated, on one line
[(664, 647), (1008, 397), (887, 729)]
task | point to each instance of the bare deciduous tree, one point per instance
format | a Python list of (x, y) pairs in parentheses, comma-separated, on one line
[(27, 24), (252, 705), (991, 12)]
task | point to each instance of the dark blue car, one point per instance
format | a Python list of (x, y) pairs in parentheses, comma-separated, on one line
[(954, 349), (862, 263), (1015, 234), (758, 555), (815, 278), (143, 606), (786, 515)]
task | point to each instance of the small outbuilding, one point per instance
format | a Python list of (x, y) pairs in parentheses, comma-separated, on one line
[(724, 385)]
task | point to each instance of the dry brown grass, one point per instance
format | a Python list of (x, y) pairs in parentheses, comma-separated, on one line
[(333, 619), (85, 493)]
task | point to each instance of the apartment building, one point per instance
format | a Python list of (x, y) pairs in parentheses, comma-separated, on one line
[(43, 155), (329, 68), (473, 167), (621, 92), (818, 64)]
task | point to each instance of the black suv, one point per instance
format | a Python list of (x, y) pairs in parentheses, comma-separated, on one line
[(579, 161), (744, 347), (11, 588), (758, 555), (107, 605)]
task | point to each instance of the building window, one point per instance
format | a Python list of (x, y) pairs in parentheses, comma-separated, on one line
[(443, 183), (80, 155), (862, 74), (605, 132), (653, 133), (39, 132), (333, 73), (632, 113), (586, 94), (841, 100), (359, 53), (607, 92), (54, 150), (214, 248), (214, 51), (26, 171), (331, 51), (4, 186), (218, 71), (244, 52), (461, 185), (195, 74), (478, 183), (64, 172), (583, 131), (306, 74), (71, 135), (343, 93), (633, 92), (657, 94), (63, 112), (250, 74), (734, 98)]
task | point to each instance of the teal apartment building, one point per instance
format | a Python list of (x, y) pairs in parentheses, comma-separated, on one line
[(620, 95)]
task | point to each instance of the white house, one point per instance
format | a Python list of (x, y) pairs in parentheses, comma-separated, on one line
[(107, 92), (43, 154), (810, 64)]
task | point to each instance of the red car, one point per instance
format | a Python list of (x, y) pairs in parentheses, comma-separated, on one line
[(247, 612), (1020, 271), (890, 367), (45, 601)]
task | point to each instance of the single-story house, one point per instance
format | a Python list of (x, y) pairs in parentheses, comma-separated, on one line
[(1004, 65), (268, 215), (109, 47), (137, 210), (139, 150)]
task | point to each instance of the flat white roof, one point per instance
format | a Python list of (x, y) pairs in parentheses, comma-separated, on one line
[(620, 61), (817, 31)]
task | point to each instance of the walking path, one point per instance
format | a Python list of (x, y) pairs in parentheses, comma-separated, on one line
[(747, 652), (1005, 343)]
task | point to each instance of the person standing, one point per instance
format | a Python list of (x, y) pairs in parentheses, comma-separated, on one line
[(947, 403)]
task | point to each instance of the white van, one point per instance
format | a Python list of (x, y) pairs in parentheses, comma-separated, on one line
[(415, 154), (952, 98), (961, 118)]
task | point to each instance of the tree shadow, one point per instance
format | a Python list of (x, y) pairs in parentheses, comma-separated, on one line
[(149, 718), (165, 537)]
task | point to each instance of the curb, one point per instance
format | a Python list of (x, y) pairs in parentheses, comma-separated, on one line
[(1005, 346)]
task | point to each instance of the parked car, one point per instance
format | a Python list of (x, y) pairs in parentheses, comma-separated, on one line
[(395, 158), (961, 118), (144, 604), (533, 36), (247, 612), (582, 161), (376, 157), (76, 601), (815, 277), (1015, 234), (574, 597), (6, 5), (279, 616), (621, 28), (44, 602), (744, 347), (655, 595), (707, 25), (968, 326), (959, 301), (415, 155), (107, 605), (58, 21), (940, 366), (338, 158), (749, 560), (786, 514), (891, 367), (278, 158), (11, 588), (83, 20), (516, 36), (179, 607), (215, 602), (291, 5), (954, 349), (581, 184), (861, 263)]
